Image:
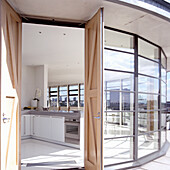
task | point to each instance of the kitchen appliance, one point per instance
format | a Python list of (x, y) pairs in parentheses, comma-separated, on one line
[(72, 131)]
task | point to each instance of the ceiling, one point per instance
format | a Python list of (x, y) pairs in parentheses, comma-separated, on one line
[(54, 46), (124, 17), (79, 10)]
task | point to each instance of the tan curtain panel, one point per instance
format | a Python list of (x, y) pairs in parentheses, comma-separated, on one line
[(12, 26), (11, 32)]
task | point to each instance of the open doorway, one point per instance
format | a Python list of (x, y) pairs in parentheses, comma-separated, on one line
[(52, 102)]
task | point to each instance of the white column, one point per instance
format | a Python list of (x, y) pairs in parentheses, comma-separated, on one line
[(41, 82)]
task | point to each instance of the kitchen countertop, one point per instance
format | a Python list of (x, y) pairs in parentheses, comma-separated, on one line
[(66, 114)]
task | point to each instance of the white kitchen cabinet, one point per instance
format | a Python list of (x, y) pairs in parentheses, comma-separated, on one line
[(25, 125), (28, 125), (22, 126), (45, 127), (58, 129), (35, 126)]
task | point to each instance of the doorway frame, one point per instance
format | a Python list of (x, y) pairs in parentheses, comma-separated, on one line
[(40, 21)]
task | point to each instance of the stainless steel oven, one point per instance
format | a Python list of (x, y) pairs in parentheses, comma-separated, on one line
[(72, 131)]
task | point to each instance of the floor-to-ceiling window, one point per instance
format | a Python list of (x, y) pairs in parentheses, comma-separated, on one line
[(119, 97), (134, 97), (163, 99), (148, 98)]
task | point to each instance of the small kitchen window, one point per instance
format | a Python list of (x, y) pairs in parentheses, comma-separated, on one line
[(73, 95), (53, 93), (81, 95), (63, 96)]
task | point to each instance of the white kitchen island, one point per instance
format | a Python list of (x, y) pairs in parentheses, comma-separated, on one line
[(47, 126)]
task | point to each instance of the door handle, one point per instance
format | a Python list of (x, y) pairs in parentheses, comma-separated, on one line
[(6, 119), (98, 116)]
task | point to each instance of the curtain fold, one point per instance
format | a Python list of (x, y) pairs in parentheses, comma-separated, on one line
[(11, 26)]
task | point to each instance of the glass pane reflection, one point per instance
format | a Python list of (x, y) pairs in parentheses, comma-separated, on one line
[(53, 101), (81, 91), (148, 85), (147, 102), (63, 93), (73, 87), (116, 60), (148, 67), (163, 88), (163, 103), (81, 103), (75, 92), (147, 121), (163, 74), (147, 143), (53, 93), (148, 50), (117, 124), (63, 101), (163, 137), (118, 81), (163, 60), (119, 100), (117, 40), (63, 88), (53, 89), (118, 150), (73, 100), (163, 121)]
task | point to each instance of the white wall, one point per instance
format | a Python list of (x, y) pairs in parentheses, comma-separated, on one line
[(34, 77), (65, 79), (41, 82), (28, 85), (45, 84)]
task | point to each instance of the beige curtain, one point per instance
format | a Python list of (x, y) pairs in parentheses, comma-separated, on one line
[(11, 25), (11, 29)]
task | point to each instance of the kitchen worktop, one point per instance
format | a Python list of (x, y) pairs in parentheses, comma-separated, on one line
[(66, 114)]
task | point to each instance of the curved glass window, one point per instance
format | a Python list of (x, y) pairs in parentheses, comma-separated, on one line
[(116, 59), (148, 50), (148, 84), (119, 41), (135, 93), (148, 67)]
